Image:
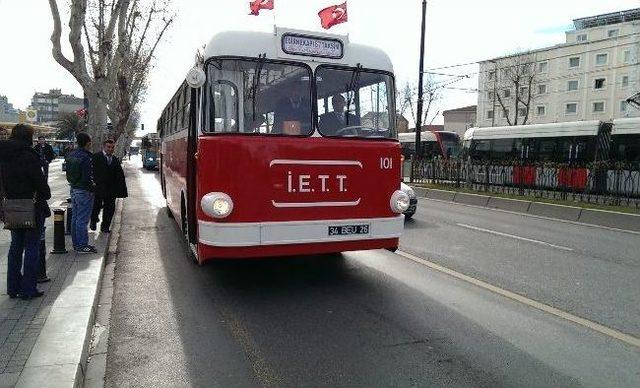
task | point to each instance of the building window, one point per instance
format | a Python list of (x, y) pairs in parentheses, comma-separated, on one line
[(598, 107), (505, 113), (625, 81), (541, 110), (626, 56), (573, 85), (623, 106), (613, 33), (507, 93), (571, 108), (542, 89), (522, 112), (574, 62), (601, 59), (581, 38), (492, 75), (524, 90), (543, 67), (490, 95), (489, 114), (598, 83)]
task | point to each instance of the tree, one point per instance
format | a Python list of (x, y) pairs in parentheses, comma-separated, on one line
[(407, 99), (69, 124), (516, 74), (113, 43)]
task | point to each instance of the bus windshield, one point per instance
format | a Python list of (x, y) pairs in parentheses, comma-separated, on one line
[(355, 103), (258, 96), (450, 144)]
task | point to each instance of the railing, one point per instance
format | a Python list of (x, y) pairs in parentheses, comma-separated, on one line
[(602, 184)]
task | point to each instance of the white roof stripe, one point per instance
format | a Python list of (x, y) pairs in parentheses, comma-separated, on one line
[(579, 128), (628, 126)]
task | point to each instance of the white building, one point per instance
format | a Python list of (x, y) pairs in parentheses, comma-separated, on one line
[(589, 77), (460, 119)]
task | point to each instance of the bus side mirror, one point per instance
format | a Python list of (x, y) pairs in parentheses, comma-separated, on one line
[(196, 78)]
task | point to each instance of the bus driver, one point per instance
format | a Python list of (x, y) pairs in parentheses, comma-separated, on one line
[(332, 122)]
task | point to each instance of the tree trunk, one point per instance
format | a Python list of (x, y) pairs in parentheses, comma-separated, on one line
[(96, 119)]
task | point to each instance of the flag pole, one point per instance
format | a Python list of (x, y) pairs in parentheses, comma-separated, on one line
[(420, 74)]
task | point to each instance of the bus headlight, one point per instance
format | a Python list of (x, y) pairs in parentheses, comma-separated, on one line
[(399, 202), (217, 205)]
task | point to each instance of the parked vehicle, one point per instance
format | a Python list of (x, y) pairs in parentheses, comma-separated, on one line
[(150, 150), (413, 200)]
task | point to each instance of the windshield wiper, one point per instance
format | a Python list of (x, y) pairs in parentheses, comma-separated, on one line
[(355, 78), (256, 83)]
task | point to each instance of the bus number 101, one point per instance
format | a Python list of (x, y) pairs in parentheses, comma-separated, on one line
[(386, 163)]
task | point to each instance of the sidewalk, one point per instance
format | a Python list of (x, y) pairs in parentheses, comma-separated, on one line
[(43, 341)]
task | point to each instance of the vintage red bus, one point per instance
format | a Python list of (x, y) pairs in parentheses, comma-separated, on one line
[(284, 143)]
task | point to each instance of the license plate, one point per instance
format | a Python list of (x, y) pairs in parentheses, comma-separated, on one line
[(346, 230)]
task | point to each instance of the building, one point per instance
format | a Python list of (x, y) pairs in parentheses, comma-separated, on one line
[(8, 114), (53, 104), (460, 119), (589, 77)]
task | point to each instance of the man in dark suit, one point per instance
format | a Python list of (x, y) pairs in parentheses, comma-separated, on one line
[(110, 184), (46, 154), (332, 122)]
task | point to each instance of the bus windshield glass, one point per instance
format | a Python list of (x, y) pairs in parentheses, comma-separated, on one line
[(355, 103), (258, 96), (450, 144)]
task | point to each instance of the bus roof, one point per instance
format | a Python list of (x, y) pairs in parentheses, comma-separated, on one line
[(628, 126), (251, 44), (578, 128)]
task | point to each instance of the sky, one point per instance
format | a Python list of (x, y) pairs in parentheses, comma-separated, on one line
[(458, 31)]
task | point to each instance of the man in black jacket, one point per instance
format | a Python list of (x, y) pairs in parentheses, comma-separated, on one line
[(110, 184), (46, 155), (22, 178)]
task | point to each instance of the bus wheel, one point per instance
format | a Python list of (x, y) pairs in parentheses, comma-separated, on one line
[(191, 255), (392, 249)]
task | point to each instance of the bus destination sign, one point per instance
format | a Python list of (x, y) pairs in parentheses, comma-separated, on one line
[(312, 46)]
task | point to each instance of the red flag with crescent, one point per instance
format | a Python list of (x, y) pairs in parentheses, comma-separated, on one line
[(256, 5), (333, 15)]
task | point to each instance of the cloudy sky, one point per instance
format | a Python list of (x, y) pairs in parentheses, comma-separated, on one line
[(458, 31)]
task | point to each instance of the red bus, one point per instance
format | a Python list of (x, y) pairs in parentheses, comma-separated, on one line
[(284, 144)]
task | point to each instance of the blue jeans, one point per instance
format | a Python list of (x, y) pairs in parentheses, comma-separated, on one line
[(82, 202), (27, 242)]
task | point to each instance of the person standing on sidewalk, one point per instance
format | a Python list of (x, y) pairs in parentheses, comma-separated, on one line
[(22, 178), (110, 184), (46, 154), (80, 178)]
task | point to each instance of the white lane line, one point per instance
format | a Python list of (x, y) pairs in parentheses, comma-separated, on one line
[(626, 338), (515, 237)]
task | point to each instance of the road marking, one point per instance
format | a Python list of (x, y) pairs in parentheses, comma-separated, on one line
[(515, 237), (626, 338)]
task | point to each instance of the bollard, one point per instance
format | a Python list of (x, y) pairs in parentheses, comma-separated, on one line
[(58, 232), (69, 215)]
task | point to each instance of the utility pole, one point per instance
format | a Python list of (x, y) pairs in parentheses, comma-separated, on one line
[(420, 75), (495, 87)]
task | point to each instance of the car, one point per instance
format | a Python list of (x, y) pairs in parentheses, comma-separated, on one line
[(413, 200)]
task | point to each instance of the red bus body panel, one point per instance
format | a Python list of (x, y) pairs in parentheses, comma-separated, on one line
[(279, 180)]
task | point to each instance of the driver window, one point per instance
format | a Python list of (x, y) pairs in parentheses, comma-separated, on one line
[(354, 103)]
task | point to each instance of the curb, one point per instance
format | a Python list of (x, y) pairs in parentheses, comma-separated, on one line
[(59, 356), (609, 219)]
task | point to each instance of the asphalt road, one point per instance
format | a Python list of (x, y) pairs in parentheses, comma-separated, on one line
[(360, 319)]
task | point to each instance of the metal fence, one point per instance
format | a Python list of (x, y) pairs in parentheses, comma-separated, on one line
[(606, 185)]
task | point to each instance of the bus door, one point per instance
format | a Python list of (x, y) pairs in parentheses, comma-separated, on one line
[(524, 173)]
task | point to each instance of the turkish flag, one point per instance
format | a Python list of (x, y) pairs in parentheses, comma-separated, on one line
[(256, 5), (333, 15)]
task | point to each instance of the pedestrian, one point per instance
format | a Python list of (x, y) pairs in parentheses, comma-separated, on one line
[(22, 178), (46, 154), (80, 178), (110, 184)]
